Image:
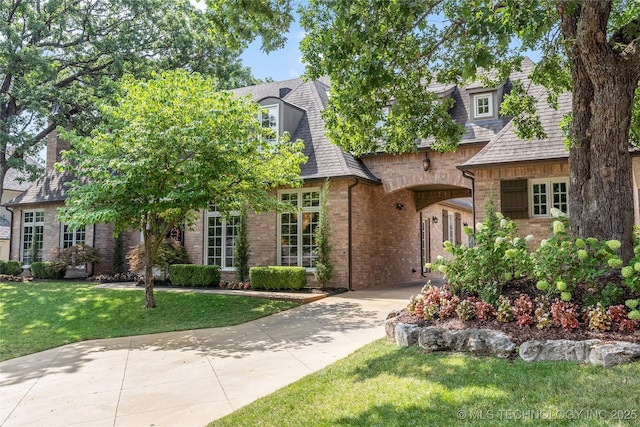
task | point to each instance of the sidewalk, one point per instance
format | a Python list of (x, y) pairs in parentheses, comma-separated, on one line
[(192, 377)]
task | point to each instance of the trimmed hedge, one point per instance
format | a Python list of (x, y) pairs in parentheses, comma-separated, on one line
[(194, 275), (47, 270), (272, 278), (11, 268)]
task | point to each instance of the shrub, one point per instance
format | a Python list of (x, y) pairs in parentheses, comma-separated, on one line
[(11, 268), (484, 311), (619, 317), (77, 255), (543, 312), (194, 275), (272, 278), (323, 265), (597, 318), (505, 309), (523, 310), (561, 262), (497, 256), (565, 314), (466, 310), (241, 250), (47, 270), (610, 295), (170, 252)]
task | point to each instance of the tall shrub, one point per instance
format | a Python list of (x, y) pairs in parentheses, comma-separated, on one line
[(242, 252), (323, 265)]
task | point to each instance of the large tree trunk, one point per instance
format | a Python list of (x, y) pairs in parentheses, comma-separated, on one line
[(600, 190), (149, 298)]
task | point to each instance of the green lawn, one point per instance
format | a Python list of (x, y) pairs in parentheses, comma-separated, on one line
[(41, 315), (385, 385)]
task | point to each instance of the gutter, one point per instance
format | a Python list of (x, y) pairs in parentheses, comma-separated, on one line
[(350, 233)]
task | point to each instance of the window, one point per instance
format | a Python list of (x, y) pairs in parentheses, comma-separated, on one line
[(71, 237), (221, 238), (269, 118), (547, 194), (32, 236), (297, 228), (483, 105)]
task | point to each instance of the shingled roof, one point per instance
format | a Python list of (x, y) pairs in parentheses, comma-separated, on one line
[(325, 160), (506, 147), (50, 188)]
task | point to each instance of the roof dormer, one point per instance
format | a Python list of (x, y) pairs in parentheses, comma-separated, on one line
[(484, 102)]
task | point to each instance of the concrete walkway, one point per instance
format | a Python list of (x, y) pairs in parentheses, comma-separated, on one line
[(193, 377)]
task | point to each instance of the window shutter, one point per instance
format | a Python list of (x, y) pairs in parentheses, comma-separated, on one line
[(458, 229), (513, 198), (445, 225)]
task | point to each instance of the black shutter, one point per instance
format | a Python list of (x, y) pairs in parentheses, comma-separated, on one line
[(458, 229), (445, 225), (514, 202)]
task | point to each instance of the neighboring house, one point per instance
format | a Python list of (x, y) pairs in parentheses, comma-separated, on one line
[(389, 214), (14, 184)]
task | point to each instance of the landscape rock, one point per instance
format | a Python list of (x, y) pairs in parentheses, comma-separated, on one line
[(475, 341), (390, 326), (595, 352), (407, 335)]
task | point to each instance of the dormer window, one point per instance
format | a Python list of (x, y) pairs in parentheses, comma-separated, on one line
[(269, 118), (483, 105)]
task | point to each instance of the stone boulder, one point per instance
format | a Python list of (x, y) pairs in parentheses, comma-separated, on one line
[(390, 325), (407, 335), (595, 352), (485, 342)]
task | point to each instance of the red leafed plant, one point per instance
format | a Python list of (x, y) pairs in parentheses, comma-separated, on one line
[(484, 311), (523, 310), (620, 317), (565, 314)]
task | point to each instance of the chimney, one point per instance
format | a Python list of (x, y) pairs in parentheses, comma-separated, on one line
[(54, 146)]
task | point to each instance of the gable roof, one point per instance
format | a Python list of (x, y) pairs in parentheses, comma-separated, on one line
[(49, 188), (507, 147), (325, 160)]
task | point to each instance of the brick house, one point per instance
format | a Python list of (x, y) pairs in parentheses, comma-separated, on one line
[(389, 214)]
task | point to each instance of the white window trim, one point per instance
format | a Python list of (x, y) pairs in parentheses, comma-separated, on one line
[(33, 224), (479, 96), (298, 191), (549, 183), (217, 214), (277, 115)]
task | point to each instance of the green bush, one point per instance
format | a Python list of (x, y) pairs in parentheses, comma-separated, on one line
[(11, 268), (272, 278), (194, 275), (497, 256), (47, 270)]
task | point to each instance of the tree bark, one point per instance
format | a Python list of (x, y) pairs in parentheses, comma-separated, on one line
[(149, 298), (600, 188)]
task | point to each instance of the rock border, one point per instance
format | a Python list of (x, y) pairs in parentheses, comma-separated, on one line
[(488, 342)]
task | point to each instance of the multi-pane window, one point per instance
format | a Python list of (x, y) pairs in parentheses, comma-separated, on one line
[(483, 105), (549, 194), (71, 237), (269, 119), (221, 238), (297, 228), (32, 236)]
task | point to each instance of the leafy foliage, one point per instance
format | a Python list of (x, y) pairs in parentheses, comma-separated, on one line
[(194, 275), (323, 265), (77, 255), (172, 145), (242, 250), (47, 270), (59, 60), (274, 278), (597, 318), (11, 268), (498, 255)]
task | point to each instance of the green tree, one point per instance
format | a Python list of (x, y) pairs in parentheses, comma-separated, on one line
[(242, 252), (380, 52), (59, 57), (171, 145), (323, 265)]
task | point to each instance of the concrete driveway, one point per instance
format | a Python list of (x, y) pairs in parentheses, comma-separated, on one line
[(192, 377)]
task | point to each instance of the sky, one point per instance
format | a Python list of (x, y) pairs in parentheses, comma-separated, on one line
[(282, 64)]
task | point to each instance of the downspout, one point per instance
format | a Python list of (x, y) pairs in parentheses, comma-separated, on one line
[(10, 231), (350, 233), (421, 234), (472, 177), (93, 244)]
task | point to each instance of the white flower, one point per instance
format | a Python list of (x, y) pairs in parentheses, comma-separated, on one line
[(556, 213), (528, 238), (479, 226), (499, 215), (503, 223)]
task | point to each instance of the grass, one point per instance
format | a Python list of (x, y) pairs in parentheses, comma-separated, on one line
[(385, 385), (41, 315)]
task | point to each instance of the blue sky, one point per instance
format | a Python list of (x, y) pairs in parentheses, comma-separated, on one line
[(283, 64)]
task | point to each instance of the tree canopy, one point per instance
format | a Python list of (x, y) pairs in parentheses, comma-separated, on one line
[(379, 53), (170, 146), (58, 58)]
